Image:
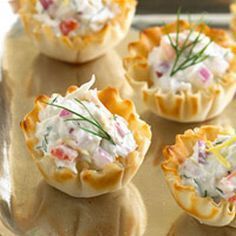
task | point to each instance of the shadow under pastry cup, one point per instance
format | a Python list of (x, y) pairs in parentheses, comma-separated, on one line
[(54, 213), (89, 182), (183, 106), (77, 49), (203, 208)]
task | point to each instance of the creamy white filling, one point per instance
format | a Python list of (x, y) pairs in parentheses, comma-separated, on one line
[(75, 17), (212, 173), (68, 137), (201, 75)]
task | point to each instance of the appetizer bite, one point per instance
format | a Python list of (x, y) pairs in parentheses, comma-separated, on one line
[(200, 169), (87, 143), (185, 71), (76, 31)]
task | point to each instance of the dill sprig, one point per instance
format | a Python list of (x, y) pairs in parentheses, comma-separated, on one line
[(91, 120), (192, 58)]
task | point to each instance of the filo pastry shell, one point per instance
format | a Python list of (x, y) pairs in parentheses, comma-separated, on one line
[(77, 49), (88, 182), (185, 106), (204, 209)]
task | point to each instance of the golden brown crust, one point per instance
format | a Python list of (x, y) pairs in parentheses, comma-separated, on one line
[(78, 49), (88, 182), (186, 106), (202, 208)]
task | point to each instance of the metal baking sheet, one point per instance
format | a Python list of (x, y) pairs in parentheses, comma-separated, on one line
[(28, 206)]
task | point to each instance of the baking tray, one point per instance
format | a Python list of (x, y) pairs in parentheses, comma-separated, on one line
[(28, 206)]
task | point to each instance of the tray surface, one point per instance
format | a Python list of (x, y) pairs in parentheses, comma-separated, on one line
[(28, 206)]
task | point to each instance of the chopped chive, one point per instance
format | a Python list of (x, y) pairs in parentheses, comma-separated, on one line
[(45, 139), (219, 142), (199, 187), (186, 177), (219, 190), (205, 193), (44, 143), (54, 100)]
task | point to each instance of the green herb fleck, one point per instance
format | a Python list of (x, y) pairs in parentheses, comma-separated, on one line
[(219, 190), (44, 143), (205, 193), (55, 99), (186, 177)]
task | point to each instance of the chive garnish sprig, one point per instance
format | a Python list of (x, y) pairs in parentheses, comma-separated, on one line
[(187, 49), (101, 132)]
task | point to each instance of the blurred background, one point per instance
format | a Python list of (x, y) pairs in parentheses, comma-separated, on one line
[(171, 6), (190, 6), (156, 12)]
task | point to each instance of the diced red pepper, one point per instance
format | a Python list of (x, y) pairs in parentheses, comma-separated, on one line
[(46, 3), (67, 26), (59, 153), (63, 152), (232, 199)]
